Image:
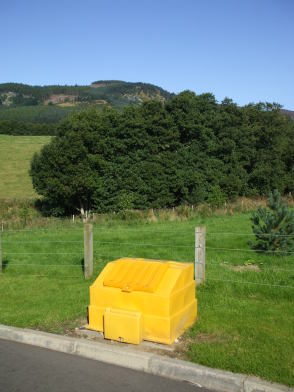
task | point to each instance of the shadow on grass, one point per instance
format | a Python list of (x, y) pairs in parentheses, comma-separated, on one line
[(83, 265), (47, 209), (5, 263)]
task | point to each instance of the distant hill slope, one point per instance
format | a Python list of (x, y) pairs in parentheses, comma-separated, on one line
[(103, 92), (36, 110)]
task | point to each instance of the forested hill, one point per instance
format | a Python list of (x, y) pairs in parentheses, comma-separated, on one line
[(116, 93), (36, 110)]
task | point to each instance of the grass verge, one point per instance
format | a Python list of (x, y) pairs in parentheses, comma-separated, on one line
[(246, 314)]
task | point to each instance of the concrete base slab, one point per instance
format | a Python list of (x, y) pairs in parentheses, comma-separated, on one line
[(99, 336)]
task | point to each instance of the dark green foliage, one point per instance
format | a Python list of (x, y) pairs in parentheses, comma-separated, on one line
[(273, 226), (32, 120), (50, 114), (11, 127), (64, 174), (186, 151)]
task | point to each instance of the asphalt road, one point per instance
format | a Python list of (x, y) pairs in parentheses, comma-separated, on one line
[(25, 368)]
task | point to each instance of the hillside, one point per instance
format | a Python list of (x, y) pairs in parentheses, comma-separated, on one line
[(104, 92), (35, 110), (16, 153)]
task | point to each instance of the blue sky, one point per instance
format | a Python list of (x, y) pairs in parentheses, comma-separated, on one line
[(240, 49)]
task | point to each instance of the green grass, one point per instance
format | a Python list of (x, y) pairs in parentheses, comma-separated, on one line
[(242, 327), (16, 153)]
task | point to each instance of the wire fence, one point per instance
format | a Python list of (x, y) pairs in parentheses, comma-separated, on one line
[(115, 242), (140, 229)]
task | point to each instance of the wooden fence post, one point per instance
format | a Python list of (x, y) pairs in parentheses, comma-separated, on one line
[(88, 250), (200, 234)]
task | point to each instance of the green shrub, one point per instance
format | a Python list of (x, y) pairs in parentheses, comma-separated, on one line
[(216, 198), (273, 226)]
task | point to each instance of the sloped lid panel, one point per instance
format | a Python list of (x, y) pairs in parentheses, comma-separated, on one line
[(135, 275)]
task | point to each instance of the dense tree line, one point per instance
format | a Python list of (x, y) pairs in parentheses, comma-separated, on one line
[(32, 120), (20, 128), (188, 150)]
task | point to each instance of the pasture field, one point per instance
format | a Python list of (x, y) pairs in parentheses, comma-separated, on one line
[(246, 306), (16, 153)]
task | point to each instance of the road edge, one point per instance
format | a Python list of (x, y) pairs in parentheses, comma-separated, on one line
[(147, 362)]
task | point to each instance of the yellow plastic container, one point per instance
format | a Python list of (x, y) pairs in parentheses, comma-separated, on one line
[(135, 299)]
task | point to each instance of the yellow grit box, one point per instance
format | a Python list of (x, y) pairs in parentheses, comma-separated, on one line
[(135, 299)]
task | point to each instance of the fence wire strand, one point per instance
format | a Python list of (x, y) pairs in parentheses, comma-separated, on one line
[(119, 245), (250, 234), (251, 250), (255, 283), (126, 228)]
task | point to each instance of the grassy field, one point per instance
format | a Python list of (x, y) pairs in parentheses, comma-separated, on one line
[(16, 153), (246, 313)]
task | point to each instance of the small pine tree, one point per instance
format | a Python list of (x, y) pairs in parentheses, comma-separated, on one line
[(24, 213), (273, 226)]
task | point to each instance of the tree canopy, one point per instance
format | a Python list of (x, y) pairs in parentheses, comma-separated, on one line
[(188, 150)]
